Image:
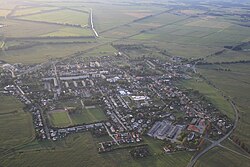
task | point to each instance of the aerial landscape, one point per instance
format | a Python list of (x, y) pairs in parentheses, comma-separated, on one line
[(146, 83)]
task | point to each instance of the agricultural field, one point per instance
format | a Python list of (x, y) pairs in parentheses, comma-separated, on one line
[(81, 149), (42, 53), (180, 34), (4, 12), (15, 124), (192, 37), (70, 32), (29, 10), (209, 23), (21, 29), (55, 40), (207, 34), (229, 56), (109, 16), (61, 17), (191, 11), (218, 157), (104, 50), (234, 147)]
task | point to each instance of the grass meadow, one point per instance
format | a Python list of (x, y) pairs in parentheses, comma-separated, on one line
[(81, 149), (60, 16), (15, 124), (218, 157), (60, 119), (64, 118), (29, 10), (88, 115), (42, 53)]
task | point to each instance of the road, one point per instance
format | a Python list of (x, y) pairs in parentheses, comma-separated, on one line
[(45, 123), (12, 72), (92, 23), (216, 143), (110, 134), (114, 113)]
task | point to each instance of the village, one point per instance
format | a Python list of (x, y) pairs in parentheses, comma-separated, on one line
[(125, 103)]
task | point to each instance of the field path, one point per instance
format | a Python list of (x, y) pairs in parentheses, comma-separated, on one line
[(71, 122), (235, 152)]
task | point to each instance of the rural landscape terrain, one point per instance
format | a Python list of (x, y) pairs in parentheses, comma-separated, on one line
[(124, 83)]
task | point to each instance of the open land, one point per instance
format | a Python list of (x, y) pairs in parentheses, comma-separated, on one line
[(82, 147), (230, 159), (88, 115), (60, 118), (63, 17), (16, 125)]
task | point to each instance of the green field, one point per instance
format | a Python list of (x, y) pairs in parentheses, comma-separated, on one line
[(62, 17), (89, 115), (192, 37), (54, 40), (219, 157), (234, 147), (28, 10), (42, 53), (15, 125), (70, 32), (3, 13), (107, 16), (59, 119), (19, 29), (80, 149), (229, 56), (64, 118), (105, 50)]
